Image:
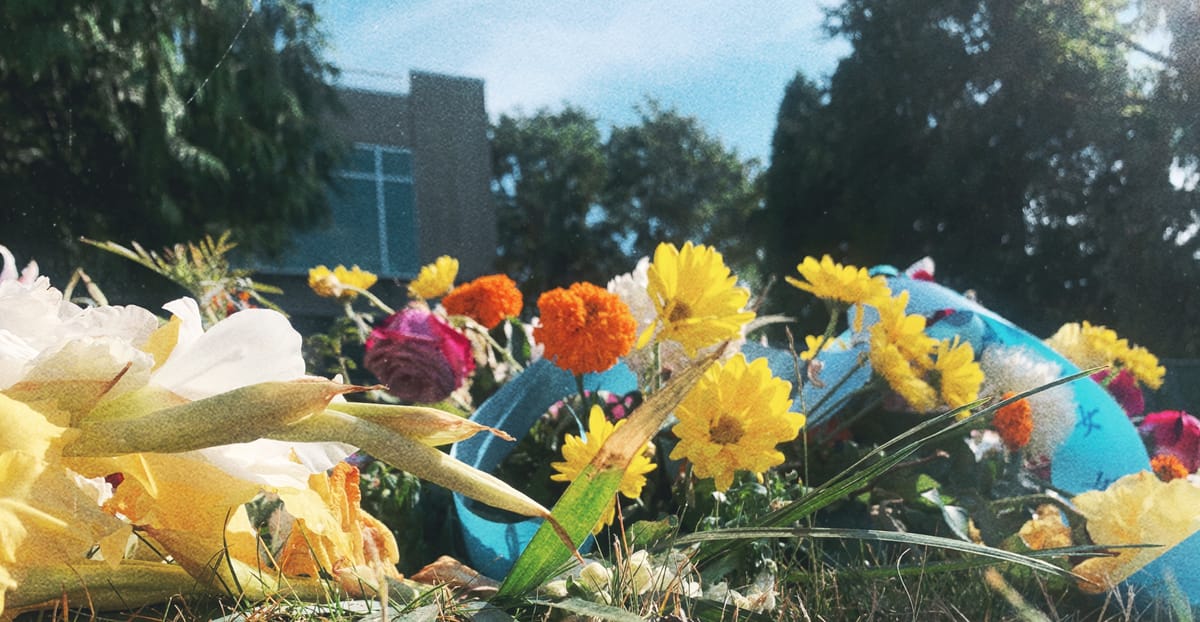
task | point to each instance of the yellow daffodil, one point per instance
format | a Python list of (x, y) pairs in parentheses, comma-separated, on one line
[(733, 419), (435, 279), (1136, 509), (578, 453), (957, 375), (341, 283), (696, 298), (844, 285)]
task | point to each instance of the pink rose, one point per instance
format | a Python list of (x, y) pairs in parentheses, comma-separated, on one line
[(419, 356), (1174, 432)]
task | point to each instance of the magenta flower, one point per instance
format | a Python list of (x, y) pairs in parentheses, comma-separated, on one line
[(1174, 432), (419, 356), (1123, 387)]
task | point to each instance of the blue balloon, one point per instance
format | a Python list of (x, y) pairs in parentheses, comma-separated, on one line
[(1103, 446)]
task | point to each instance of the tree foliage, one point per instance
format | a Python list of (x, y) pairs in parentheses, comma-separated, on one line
[(576, 206), (161, 121), (1011, 141), (670, 181)]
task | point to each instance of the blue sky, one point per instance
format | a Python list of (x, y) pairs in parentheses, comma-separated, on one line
[(724, 62)]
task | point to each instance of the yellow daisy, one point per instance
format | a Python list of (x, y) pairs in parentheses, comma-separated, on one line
[(340, 283), (847, 285), (733, 419), (906, 332), (578, 453), (695, 297), (1144, 366), (956, 373), (893, 366), (1089, 345), (434, 279)]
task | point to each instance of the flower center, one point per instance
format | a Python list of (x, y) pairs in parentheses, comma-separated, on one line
[(679, 312), (727, 431)]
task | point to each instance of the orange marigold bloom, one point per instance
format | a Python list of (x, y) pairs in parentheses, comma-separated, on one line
[(487, 300), (584, 328), (1168, 467), (1014, 423)]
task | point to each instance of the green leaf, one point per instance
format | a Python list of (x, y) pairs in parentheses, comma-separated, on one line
[(414, 457), (645, 534), (238, 416), (591, 610)]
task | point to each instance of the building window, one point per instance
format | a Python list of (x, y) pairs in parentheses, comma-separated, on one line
[(372, 218)]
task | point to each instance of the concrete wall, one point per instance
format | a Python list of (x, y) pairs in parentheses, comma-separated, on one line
[(452, 161)]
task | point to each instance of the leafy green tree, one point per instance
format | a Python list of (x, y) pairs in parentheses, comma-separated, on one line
[(548, 175), (160, 122), (670, 181), (573, 206), (1009, 140)]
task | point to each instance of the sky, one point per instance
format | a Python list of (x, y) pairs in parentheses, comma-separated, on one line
[(726, 63)]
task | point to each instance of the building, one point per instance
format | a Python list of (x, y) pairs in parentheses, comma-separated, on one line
[(415, 186)]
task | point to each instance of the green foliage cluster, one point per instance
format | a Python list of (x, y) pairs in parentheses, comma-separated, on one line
[(155, 121), (1027, 146), (574, 205)]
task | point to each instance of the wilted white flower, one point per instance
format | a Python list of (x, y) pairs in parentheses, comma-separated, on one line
[(631, 288), (595, 576), (1016, 369), (985, 443)]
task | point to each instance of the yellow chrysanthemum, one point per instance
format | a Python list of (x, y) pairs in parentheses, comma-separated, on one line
[(894, 367), (733, 419), (906, 332), (578, 453), (848, 285), (1144, 366), (1089, 345), (1136, 509), (340, 283), (956, 373), (434, 279), (695, 297)]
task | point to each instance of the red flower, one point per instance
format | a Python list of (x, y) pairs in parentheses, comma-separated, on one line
[(1176, 433), (1123, 387), (419, 356)]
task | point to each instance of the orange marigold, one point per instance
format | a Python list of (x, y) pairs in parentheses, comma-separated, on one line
[(487, 300), (584, 328), (1168, 467), (1014, 423)]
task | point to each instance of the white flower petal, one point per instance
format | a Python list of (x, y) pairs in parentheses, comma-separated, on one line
[(270, 462), (248, 347)]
